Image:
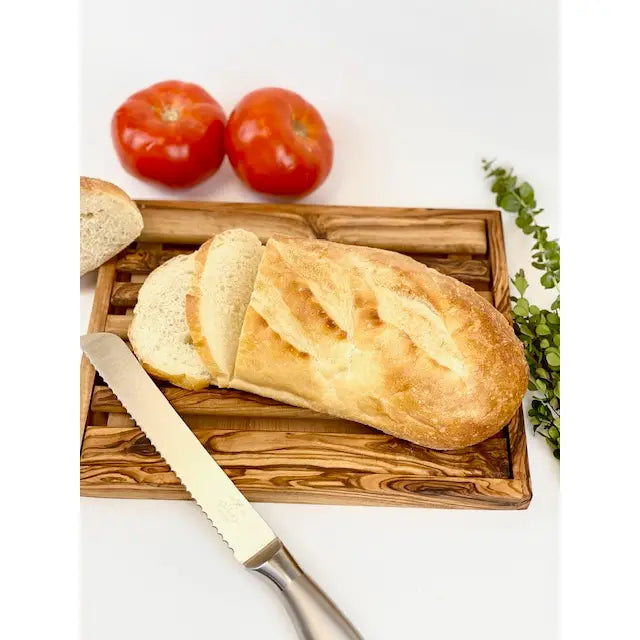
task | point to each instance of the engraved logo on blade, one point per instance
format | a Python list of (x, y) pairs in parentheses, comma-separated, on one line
[(230, 508)]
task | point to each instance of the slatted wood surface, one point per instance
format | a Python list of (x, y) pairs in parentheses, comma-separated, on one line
[(279, 453)]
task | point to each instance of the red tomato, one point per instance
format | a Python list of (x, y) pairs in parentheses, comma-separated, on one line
[(278, 143), (172, 132)]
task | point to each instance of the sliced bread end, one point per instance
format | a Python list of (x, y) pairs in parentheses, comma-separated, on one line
[(109, 221)]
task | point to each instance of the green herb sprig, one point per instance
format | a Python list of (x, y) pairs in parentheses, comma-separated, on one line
[(538, 329)]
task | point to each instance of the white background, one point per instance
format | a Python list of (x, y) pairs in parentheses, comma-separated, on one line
[(414, 96)]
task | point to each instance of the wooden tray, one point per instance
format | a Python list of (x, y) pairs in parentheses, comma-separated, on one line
[(274, 452)]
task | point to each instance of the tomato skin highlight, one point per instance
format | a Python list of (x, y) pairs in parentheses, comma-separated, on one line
[(171, 132), (278, 143)]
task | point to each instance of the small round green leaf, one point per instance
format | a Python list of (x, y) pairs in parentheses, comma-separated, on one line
[(548, 281), (553, 359), (519, 310), (526, 192), (543, 330), (509, 202), (542, 373), (524, 330)]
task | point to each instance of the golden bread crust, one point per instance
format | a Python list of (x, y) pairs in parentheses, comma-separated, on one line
[(376, 337), (95, 185), (184, 381)]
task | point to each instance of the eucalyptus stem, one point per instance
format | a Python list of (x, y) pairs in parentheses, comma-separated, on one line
[(538, 329)]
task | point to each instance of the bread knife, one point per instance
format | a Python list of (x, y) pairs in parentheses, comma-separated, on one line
[(250, 538)]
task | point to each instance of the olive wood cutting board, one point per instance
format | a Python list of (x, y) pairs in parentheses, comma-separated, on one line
[(275, 452)]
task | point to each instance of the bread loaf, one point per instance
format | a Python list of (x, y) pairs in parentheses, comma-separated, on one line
[(376, 337), (225, 270), (109, 221), (159, 334)]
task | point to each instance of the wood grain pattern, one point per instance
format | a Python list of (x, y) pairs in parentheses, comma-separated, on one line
[(408, 234), (323, 424), (125, 294), (348, 488), (118, 325), (399, 231), (211, 401), (474, 272), (498, 262), (104, 283), (275, 452), (146, 260), (317, 452), (198, 225)]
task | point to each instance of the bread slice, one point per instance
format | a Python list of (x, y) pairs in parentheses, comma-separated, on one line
[(109, 221), (159, 334), (226, 268)]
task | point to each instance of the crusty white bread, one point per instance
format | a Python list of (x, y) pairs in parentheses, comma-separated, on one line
[(109, 221), (376, 337), (159, 334), (226, 267)]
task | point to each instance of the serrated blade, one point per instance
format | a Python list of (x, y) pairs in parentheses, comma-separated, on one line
[(239, 524)]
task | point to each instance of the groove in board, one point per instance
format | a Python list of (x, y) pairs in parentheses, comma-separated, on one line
[(145, 260), (238, 423), (211, 401)]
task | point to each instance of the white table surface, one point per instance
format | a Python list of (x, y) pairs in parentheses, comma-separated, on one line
[(414, 94)]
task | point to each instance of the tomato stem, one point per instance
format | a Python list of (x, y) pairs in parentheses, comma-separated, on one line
[(299, 128), (170, 115)]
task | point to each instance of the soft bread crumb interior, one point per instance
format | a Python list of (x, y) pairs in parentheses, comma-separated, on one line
[(107, 225), (159, 333), (226, 284)]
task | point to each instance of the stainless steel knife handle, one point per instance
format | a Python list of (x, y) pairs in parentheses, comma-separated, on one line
[(314, 615)]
